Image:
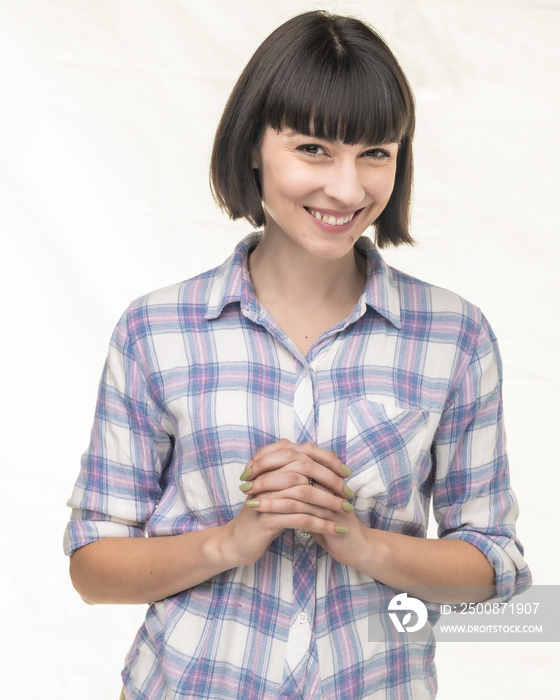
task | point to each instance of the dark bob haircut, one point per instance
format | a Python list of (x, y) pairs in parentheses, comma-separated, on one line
[(326, 76)]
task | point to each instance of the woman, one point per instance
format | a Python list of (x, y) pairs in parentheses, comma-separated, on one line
[(343, 394)]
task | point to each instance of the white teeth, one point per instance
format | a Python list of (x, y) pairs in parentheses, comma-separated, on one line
[(331, 220)]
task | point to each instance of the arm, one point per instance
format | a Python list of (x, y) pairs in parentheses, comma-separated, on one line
[(121, 482), (443, 571), (399, 561), (144, 569), (478, 555), (472, 500), (446, 570)]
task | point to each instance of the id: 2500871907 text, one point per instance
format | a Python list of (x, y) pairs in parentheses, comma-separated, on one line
[(490, 608)]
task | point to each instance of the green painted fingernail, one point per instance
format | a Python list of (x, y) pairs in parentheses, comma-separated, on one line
[(335, 453), (246, 487), (246, 474), (345, 470), (348, 507), (348, 491), (341, 530), (253, 504)]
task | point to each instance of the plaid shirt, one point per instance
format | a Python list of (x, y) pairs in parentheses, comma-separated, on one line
[(407, 390)]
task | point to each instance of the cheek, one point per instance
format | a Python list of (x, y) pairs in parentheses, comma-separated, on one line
[(382, 187), (284, 188)]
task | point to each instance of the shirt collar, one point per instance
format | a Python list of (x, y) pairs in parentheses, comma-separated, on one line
[(381, 291), (232, 283)]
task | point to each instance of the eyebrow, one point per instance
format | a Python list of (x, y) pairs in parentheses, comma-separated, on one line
[(293, 132)]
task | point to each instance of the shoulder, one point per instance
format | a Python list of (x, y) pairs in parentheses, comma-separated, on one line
[(163, 307), (451, 324), (441, 323), (450, 334), (193, 291), (417, 295), (191, 301), (158, 316), (414, 305), (441, 309)]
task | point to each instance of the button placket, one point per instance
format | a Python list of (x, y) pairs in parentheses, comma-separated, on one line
[(304, 409), (303, 582), (304, 538), (303, 587)]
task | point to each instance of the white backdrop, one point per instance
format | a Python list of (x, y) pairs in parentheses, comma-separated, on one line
[(107, 112)]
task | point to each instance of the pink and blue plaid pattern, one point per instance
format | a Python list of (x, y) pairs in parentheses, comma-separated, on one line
[(407, 390)]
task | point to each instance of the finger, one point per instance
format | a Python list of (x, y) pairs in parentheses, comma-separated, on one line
[(301, 521), (270, 457), (301, 473), (328, 458), (328, 471), (305, 496), (273, 447), (284, 451), (282, 454), (281, 505)]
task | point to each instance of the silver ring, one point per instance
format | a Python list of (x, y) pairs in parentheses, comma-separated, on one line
[(312, 482)]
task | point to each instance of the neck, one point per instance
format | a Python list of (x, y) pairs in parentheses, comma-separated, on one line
[(303, 279)]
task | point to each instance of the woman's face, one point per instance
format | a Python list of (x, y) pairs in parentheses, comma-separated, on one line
[(322, 195)]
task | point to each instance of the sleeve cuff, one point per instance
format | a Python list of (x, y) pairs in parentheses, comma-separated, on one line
[(78, 533), (512, 574)]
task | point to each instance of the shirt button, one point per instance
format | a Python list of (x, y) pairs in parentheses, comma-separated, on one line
[(302, 618), (305, 534)]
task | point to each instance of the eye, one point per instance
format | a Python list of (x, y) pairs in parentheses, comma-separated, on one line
[(377, 154), (311, 149)]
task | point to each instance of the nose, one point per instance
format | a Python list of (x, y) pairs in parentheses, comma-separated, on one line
[(344, 184)]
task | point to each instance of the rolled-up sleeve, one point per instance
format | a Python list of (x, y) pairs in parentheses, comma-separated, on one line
[(472, 497), (119, 483)]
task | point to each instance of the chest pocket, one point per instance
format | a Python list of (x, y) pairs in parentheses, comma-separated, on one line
[(386, 447)]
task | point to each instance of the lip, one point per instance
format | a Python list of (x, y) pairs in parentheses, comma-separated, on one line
[(333, 228)]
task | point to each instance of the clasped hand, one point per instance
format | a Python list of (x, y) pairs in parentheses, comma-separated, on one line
[(297, 487)]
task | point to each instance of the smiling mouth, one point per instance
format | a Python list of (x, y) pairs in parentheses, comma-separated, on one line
[(330, 219)]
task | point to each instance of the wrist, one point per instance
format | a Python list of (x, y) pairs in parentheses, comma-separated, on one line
[(373, 555), (217, 551), (223, 549)]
